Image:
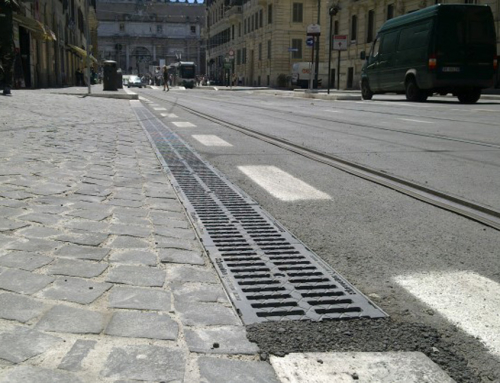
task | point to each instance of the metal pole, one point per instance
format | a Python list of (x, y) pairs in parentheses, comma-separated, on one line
[(338, 72), (311, 71), (330, 53), (317, 47), (87, 37)]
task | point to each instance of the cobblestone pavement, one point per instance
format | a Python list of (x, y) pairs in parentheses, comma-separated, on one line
[(91, 289)]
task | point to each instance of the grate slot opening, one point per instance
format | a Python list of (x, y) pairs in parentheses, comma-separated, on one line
[(274, 304), (339, 310), (269, 296), (280, 313)]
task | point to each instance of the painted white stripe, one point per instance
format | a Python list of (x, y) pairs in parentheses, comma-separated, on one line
[(411, 120), (210, 140), (160, 108), (342, 367), (281, 184), (466, 299), (169, 115), (333, 111), (183, 124)]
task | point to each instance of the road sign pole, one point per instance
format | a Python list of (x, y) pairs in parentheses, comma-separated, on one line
[(338, 72), (311, 71), (330, 42)]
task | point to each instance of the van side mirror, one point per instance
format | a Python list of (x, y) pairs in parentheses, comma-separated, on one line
[(362, 55)]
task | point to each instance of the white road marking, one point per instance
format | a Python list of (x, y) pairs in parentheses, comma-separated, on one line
[(487, 110), (411, 120), (183, 124), (210, 140), (169, 115), (370, 367), (281, 184), (333, 111), (160, 108), (466, 299)]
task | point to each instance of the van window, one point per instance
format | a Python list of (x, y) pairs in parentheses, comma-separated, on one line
[(416, 36), (389, 43), (460, 28), (375, 48)]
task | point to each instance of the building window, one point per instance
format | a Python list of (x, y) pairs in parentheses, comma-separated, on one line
[(354, 28), (122, 27), (252, 23), (336, 27), (297, 48), (390, 11), (261, 18), (260, 51), (245, 26), (370, 26), (269, 49), (244, 56), (297, 12), (256, 20), (232, 32), (159, 29), (239, 29), (270, 14), (238, 57), (193, 29)]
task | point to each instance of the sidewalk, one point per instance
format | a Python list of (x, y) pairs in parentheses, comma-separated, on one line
[(102, 278)]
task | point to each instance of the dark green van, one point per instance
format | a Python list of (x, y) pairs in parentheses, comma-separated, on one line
[(440, 49)]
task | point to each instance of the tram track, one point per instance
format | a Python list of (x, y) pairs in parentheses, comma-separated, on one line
[(477, 212), (375, 127)]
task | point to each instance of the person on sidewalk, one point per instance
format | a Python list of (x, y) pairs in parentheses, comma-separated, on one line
[(165, 78), (7, 43)]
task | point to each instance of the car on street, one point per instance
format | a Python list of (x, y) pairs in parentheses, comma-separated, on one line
[(134, 81)]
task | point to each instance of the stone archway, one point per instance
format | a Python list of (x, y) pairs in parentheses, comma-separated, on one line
[(140, 59)]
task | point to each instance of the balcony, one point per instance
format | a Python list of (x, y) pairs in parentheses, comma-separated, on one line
[(234, 12)]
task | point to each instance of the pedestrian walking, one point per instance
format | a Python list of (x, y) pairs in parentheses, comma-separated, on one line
[(7, 43), (165, 78)]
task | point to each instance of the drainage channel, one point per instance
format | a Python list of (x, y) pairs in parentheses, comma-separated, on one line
[(268, 273)]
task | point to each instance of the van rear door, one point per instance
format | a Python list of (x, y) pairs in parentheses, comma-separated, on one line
[(466, 44)]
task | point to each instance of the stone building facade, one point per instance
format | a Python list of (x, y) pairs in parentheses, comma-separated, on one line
[(50, 41), (140, 34), (269, 36)]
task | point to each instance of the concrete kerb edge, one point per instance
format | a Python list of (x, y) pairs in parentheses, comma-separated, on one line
[(118, 96)]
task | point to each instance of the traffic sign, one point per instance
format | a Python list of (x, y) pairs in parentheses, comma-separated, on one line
[(313, 30), (310, 41), (339, 43)]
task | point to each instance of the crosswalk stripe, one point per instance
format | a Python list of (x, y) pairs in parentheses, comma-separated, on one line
[(281, 184), (169, 115), (466, 299), (210, 140), (183, 124)]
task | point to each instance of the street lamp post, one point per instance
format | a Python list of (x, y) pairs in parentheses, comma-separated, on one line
[(316, 66), (332, 12), (87, 37)]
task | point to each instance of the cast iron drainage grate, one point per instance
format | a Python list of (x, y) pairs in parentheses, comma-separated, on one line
[(268, 273)]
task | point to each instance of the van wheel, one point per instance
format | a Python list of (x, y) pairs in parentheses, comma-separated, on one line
[(413, 92), (469, 97), (366, 92)]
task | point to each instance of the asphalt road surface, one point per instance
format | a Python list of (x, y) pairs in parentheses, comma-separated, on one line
[(436, 274)]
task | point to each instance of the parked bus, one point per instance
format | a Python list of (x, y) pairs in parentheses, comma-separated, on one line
[(183, 74), (445, 48)]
